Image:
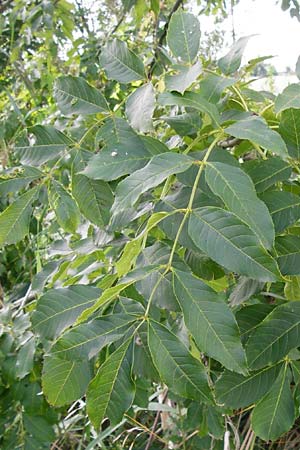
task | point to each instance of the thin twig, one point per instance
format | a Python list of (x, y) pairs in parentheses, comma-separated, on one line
[(152, 434), (251, 441), (245, 441)]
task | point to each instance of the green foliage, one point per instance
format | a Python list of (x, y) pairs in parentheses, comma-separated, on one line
[(150, 232)]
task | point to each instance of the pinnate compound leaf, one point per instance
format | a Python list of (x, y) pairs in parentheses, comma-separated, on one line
[(183, 36), (289, 98), (232, 60), (94, 198), (75, 96), (14, 220), (237, 391), (284, 208), (111, 393), (140, 107), (255, 129), (182, 373), (231, 243), (265, 173), (275, 336), (210, 321), (65, 381), (155, 172), (49, 143), (237, 191), (288, 250), (66, 209), (120, 63), (275, 413), (59, 308), (185, 77)]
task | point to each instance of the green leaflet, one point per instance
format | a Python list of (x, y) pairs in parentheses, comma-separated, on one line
[(39, 430), (140, 107), (289, 98), (229, 242), (120, 63), (182, 373), (123, 153), (265, 173), (57, 309), (94, 198), (158, 284), (112, 390), (202, 266), (133, 248), (232, 61), (86, 340), (16, 183), (66, 370), (41, 278), (184, 124), (184, 35), (289, 128), (288, 250), (14, 220), (284, 208), (243, 290), (184, 78), (237, 191), (155, 172), (75, 96), (192, 100), (65, 381), (210, 321), (275, 336), (66, 210), (275, 413), (237, 391), (112, 292), (255, 129), (49, 144), (292, 288), (25, 358), (212, 87), (249, 318)]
